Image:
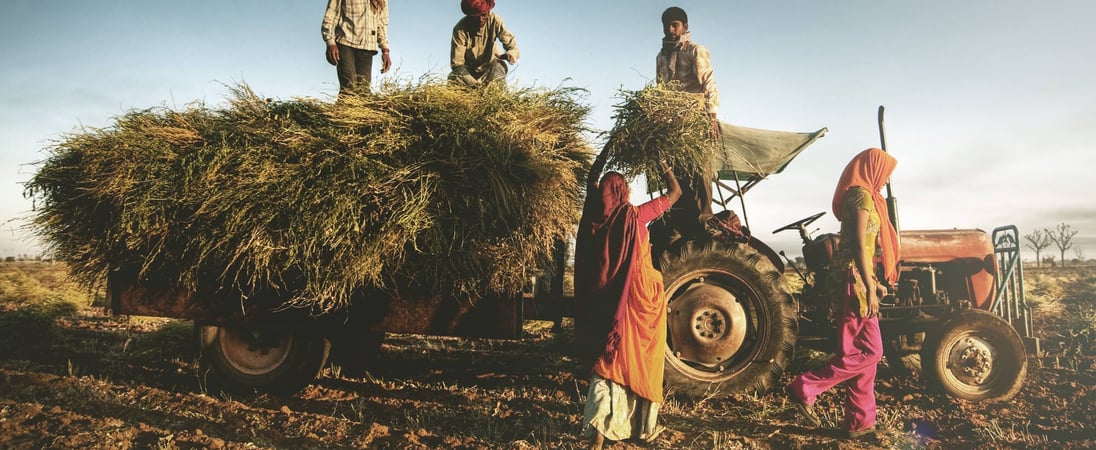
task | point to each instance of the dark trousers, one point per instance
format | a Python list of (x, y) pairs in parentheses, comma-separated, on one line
[(355, 66), (688, 214), (496, 71), (555, 291)]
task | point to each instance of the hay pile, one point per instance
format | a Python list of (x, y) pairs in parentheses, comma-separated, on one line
[(458, 191), (660, 122)]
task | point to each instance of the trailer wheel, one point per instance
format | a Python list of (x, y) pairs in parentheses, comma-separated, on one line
[(242, 359), (976, 356), (731, 319)]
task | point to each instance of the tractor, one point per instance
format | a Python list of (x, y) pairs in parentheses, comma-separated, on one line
[(734, 323)]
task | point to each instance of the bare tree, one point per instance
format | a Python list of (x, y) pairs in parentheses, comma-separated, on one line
[(1037, 240), (1062, 238), (1079, 253)]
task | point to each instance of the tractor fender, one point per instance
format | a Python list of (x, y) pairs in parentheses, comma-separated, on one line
[(768, 252)]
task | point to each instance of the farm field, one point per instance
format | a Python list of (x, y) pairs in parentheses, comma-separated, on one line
[(71, 376)]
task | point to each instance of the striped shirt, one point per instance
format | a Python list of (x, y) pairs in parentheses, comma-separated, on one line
[(692, 67), (355, 23)]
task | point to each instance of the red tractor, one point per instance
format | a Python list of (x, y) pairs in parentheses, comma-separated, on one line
[(734, 323)]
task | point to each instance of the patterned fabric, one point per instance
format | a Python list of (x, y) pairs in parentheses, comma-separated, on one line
[(689, 64), (473, 52), (843, 272), (727, 227), (356, 23)]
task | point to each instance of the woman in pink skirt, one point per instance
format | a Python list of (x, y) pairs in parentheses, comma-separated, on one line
[(866, 234)]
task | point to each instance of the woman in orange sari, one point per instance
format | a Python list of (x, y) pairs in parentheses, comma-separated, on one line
[(865, 227), (624, 308)]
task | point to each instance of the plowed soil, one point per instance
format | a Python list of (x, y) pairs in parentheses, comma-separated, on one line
[(79, 378)]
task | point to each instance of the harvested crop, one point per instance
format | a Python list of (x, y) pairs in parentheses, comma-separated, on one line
[(660, 122), (316, 200)]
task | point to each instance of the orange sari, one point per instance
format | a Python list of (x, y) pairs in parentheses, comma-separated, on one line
[(635, 352), (620, 317)]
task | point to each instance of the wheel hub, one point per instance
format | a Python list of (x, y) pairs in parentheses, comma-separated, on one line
[(972, 360), (254, 352), (707, 325)]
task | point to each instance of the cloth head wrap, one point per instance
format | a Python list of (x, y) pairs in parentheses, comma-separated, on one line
[(674, 13), (476, 7), (870, 169)]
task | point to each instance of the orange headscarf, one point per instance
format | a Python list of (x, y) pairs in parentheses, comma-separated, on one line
[(870, 169)]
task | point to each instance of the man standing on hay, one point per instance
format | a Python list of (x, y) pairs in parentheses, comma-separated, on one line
[(472, 53), (355, 30), (687, 65)]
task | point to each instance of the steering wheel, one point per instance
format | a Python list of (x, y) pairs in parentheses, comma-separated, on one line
[(799, 224)]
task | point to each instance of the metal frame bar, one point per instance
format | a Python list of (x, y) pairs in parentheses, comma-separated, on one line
[(1010, 302)]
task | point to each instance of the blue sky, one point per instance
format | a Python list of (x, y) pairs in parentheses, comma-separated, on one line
[(990, 105)]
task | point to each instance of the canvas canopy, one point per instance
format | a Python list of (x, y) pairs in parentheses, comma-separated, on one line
[(751, 154)]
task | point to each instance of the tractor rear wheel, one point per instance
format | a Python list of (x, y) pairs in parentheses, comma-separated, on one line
[(975, 356), (731, 319), (241, 359)]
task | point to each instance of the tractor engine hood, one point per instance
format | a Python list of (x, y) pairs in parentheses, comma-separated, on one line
[(966, 258)]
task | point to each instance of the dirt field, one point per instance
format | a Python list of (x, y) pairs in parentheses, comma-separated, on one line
[(73, 377)]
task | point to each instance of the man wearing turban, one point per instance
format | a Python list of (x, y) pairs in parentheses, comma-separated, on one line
[(473, 57)]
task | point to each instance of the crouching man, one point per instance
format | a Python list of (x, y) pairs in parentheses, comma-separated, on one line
[(473, 56)]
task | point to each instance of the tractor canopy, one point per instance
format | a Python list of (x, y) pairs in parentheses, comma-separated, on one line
[(751, 154)]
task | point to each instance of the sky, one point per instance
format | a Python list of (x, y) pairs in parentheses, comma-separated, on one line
[(990, 106)]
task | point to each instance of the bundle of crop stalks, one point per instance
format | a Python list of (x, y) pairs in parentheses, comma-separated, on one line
[(457, 191), (661, 122)]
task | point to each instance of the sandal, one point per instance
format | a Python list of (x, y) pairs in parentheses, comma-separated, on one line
[(806, 411)]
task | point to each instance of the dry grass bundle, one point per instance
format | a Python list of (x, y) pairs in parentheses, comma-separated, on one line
[(660, 122), (316, 200)]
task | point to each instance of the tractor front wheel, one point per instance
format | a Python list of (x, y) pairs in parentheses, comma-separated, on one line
[(975, 356)]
